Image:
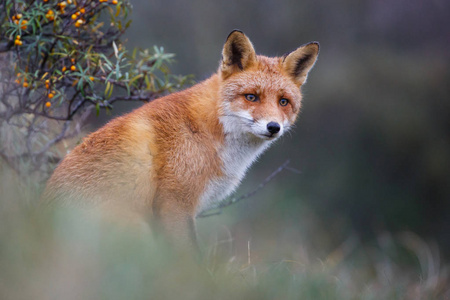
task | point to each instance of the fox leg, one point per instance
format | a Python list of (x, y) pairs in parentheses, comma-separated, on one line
[(176, 221)]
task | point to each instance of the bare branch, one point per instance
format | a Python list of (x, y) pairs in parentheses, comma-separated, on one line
[(218, 209)]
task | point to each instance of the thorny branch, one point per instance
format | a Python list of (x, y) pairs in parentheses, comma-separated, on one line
[(218, 209)]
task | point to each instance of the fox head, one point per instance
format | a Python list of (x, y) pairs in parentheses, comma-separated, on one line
[(261, 95)]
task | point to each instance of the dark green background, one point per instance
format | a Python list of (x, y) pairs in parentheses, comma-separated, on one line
[(373, 140)]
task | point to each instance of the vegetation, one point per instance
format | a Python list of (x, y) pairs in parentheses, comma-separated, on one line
[(60, 60), (61, 255)]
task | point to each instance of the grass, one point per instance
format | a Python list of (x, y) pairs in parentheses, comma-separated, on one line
[(59, 255)]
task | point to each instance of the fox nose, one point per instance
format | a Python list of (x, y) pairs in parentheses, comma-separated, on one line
[(273, 127)]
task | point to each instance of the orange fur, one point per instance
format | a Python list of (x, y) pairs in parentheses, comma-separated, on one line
[(176, 156)]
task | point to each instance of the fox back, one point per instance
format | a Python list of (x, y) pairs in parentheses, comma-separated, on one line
[(182, 154)]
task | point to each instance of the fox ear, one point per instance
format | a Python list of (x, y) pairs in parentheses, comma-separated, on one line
[(237, 54), (299, 62)]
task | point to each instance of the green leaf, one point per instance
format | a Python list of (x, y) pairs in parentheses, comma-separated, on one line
[(135, 78), (116, 51), (118, 10), (110, 92), (108, 87)]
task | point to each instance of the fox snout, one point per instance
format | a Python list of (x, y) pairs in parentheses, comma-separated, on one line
[(273, 127), (267, 130), (270, 130)]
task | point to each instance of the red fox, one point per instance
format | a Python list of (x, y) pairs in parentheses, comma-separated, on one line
[(179, 155)]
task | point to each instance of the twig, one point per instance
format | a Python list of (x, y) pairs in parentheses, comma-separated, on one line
[(222, 205)]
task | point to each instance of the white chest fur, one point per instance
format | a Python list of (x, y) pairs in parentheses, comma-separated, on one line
[(237, 154)]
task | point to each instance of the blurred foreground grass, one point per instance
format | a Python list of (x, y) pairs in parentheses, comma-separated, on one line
[(59, 255)]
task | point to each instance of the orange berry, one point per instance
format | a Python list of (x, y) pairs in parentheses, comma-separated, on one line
[(16, 22), (51, 95), (78, 13), (79, 22), (64, 69), (18, 42), (73, 68), (91, 78), (18, 81), (62, 4), (25, 84), (50, 15), (18, 16), (74, 16), (82, 10), (18, 37), (114, 2), (48, 104)]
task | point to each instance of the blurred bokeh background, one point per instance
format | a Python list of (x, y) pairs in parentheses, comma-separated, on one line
[(373, 140)]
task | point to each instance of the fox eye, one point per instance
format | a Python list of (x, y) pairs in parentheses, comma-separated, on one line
[(251, 97), (284, 101)]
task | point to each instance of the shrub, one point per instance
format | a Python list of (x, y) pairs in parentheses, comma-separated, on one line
[(59, 61)]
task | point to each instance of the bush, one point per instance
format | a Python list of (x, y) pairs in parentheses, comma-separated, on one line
[(60, 60)]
